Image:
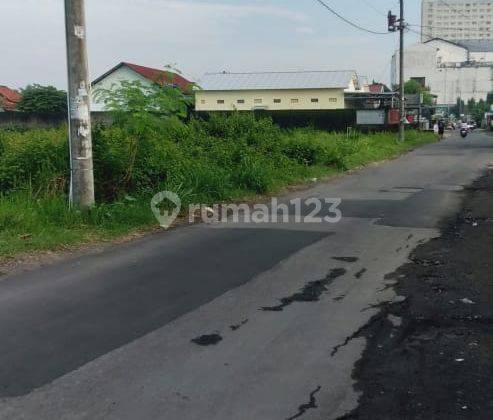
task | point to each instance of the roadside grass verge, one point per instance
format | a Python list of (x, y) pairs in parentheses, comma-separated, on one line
[(227, 158)]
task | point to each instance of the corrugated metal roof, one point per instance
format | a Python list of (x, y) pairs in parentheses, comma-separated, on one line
[(477, 45), (277, 80)]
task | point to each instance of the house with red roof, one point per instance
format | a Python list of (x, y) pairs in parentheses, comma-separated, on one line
[(378, 88), (133, 72), (9, 98)]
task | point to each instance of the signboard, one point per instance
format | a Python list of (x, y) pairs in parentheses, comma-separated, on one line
[(394, 116), (370, 117), (413, 100)]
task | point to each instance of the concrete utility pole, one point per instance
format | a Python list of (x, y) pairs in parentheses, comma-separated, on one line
[(402, 26), (81, 166)]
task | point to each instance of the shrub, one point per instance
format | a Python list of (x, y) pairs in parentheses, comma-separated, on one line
[(225, 158), (36, 159), (215, 160), (46, 100)]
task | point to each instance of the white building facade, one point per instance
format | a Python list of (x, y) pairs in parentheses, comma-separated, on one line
[(128, 72), (275, 91), (451, 70), (454, 20)]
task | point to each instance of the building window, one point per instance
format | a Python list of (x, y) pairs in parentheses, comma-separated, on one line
[(240, 101), (332, 99), (295, 101), (277, 101), (314, 100), (202, 101), (220, 101), (257, 101)]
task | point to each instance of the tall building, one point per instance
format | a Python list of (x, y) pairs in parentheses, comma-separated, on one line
[(454, 20), (449, 69)]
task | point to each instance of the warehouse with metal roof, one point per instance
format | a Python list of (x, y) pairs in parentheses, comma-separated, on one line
[(301, 90)]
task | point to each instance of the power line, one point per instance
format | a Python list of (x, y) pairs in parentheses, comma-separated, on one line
[(374, 8), (355, 25)]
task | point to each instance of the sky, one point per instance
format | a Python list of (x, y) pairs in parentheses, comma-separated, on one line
[(200, 36)]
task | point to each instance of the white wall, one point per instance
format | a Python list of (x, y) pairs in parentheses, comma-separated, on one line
[(464, 82), (446, 79), (122, 74), (447, 52), (420, 61), (482, 56), (290, 99)]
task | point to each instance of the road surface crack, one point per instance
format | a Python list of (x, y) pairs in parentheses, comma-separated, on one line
[(303, 408), (310, 292), (346, 259), (359, 332)]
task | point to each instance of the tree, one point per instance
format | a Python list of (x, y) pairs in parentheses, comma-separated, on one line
[(43, 100), (142, 111), (478, 109), (140, 104), (458, 108), (413, 87)]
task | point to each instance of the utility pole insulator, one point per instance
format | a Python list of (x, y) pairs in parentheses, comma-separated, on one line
[(79, 110)]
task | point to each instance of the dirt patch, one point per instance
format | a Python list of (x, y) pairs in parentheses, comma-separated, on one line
[(437, 361)]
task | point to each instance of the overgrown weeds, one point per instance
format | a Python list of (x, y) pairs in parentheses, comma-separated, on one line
[(224, 158)]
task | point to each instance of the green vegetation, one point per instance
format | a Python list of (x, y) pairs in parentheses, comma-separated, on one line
[(413, 87), (149, 148), (46, 100), (225, 158)]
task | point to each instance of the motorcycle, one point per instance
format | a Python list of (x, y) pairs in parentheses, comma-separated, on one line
[(463, 132)]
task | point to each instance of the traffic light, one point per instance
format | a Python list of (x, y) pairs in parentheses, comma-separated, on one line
[(392, 20)]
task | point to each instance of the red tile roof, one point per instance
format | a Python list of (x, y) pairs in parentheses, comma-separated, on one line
[(377, 88), (155, 75), (9, 98), (161, 76)]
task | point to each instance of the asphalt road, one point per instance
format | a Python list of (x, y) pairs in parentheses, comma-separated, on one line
[(234, 321)]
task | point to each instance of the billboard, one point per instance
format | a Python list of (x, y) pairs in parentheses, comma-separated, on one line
[(394, 116), (370, 117)]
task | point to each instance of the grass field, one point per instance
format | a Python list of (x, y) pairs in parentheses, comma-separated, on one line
[(224, 159)]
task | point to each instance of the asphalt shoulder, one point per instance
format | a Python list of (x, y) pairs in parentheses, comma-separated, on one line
[(430, 355)]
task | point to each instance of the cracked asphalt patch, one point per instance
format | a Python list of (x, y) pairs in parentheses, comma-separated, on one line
[(346, 259), (238, 326), (437, 361), (310, 293), (207, 340)]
